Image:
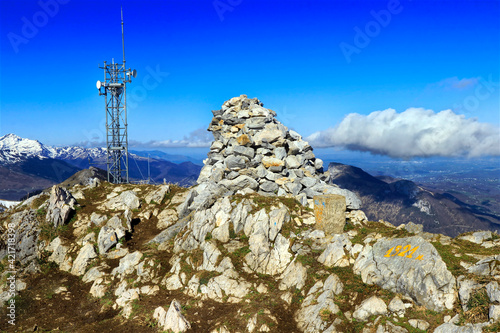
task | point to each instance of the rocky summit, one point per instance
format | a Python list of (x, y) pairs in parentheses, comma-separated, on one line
[(253, 152), (247, 249)]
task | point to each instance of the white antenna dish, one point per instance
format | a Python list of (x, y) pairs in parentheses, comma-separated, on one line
[(98, 84), (133, 73)]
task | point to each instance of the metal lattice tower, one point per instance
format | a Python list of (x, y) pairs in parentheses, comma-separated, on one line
[(114, 89)]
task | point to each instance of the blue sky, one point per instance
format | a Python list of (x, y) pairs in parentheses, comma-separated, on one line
[(313, 62)]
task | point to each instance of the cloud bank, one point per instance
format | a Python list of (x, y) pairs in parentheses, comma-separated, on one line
[(416, 132)]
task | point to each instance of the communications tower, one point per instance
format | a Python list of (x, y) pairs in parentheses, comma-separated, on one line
[(114, 89)]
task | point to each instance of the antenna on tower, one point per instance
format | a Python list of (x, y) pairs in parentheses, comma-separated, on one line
[(123, 39), (114, 89)]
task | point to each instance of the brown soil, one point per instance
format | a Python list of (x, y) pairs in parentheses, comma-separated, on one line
[(39, 308)]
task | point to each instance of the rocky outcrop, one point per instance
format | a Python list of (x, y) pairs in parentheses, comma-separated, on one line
[(123, 201), (86, 254), (172, 320), (60, 206), (157, 195), (21, 238), (372, 306), (318, 304), (410, 266), (487, 266), (337, 252)]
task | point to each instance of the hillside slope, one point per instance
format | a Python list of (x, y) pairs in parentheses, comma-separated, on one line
[(402, 201), (32, 174)]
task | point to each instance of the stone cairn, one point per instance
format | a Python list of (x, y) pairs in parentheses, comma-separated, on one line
[(253, 152)]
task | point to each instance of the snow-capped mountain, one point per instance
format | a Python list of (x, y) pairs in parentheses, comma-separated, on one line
[(27, 166), (14, 149)]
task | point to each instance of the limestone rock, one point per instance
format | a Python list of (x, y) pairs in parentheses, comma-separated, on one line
[(157, 195), (98, 288), (82, 260), (494, 313), (336, 253), (174, 320), (269, 134), (93, 274), (493, 291), (107, 239), (59, 251), (309, 316), (467, 328), (390, 328), (397, 306), (414, 228), (372, 306), (410, 266), (170, 232), (488, 266), (173, 282), (127, 264), (26, 227), (352, 200), (465, 288), (477, 237), (356, 217), (268, 248), (61, 204), (226, 284), (166, 218), (97, 219), (236, 163), (126, 200), (295, 275), (266, 259), (240, 183), (419, 323)]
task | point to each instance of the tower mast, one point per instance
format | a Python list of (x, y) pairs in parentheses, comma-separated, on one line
[(114, 89)]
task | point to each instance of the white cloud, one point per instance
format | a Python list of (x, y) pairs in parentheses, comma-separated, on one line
[(416, 132), (456, 83)]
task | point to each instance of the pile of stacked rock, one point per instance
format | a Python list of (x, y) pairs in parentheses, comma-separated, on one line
[(253, 152)]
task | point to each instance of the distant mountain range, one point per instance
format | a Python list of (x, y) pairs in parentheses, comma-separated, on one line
[(27, 166), (401, 201), (160, 155)]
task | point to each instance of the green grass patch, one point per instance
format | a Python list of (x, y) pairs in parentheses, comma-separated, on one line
[(205, 276), (39, 201), (478, 306), (493, 327), (241, 252), (452, 261)]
